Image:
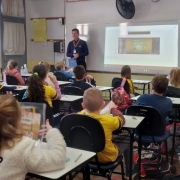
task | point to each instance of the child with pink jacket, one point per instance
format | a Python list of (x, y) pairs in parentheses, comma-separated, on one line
[(12, 70)]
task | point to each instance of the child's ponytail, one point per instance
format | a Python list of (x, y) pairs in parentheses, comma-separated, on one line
[(36, 84)]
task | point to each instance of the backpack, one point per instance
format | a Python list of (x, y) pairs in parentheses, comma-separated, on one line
[(171, 177), (169, 128), (149, 162), (121, 98)]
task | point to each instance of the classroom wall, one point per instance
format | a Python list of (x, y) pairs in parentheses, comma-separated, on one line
[(94, 11), (37, 51)]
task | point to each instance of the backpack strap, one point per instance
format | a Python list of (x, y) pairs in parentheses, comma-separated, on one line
[(123, 82)]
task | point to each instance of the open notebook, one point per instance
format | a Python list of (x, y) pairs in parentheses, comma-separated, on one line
[(32, 117)]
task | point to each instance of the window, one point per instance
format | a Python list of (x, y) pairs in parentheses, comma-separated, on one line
[(14, 39), (13, 8)]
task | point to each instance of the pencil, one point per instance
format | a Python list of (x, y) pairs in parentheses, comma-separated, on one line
[(78, 157)]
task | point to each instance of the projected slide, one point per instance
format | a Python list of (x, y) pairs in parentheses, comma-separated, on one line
[(145, 48), (139, 46)]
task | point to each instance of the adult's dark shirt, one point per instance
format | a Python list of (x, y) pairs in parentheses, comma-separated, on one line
[(80, 48)]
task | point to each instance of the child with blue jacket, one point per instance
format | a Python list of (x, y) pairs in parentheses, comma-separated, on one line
[(60, 67)]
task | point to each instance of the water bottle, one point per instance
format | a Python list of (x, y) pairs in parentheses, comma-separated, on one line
[(22, 70), (25, 69)]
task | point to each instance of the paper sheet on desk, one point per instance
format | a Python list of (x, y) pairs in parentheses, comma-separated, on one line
[(132, 122), (105, 110)]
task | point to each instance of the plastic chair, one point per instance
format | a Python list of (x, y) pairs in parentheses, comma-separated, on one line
[(172, 92), (175, 113), (52, 68), (148, 131), (11, 80), (60, 76), (116, 82), (76, 105), (86, 133)]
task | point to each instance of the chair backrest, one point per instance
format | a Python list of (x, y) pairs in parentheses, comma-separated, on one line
[(71, 90), (116, 82), (60, 76), (152, 122), (49, 114), (11, 80), (172, 92), (83, 132), (52, 68)]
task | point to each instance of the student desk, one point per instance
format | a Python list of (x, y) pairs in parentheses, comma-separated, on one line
[(104, 88), (70, 98), (132, 122), (144, 83), (19, 88), (26, 75), (61, 83), (135, 98), (71, 165)]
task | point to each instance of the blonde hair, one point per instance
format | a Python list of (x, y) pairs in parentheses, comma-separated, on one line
[(59, 65), (93, 99), (10, 124), (175, 79), (12, 64), (47, 66), (171, 73)]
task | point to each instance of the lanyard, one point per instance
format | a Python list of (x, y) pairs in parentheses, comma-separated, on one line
[(75, 45)]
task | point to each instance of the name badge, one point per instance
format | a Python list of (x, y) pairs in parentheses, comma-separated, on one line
[(74, 51)]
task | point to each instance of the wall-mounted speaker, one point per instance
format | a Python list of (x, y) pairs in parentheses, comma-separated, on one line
[(59, 47)]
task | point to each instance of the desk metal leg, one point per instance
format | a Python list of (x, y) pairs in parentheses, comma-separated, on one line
[(174, 133), (109, 94), (148, 88), (139, 152), (86, 173), (144, 86), (131, 154)]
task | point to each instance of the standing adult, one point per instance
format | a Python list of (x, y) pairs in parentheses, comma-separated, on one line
[(77, 49)]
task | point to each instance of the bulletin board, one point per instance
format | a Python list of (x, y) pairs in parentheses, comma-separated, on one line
[(40, 30)]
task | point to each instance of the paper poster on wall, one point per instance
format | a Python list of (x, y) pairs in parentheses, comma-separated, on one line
[(40, 30)]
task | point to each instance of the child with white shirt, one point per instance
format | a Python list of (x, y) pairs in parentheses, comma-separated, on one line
[(18, 153)]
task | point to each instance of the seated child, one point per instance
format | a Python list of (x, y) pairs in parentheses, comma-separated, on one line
[(157, 100), (126, 73), (12, 70), (170, 76), (60, 67), (175, 80), (38, 89), (19, 153), (93, 103), (49, 74), (81, 77)]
